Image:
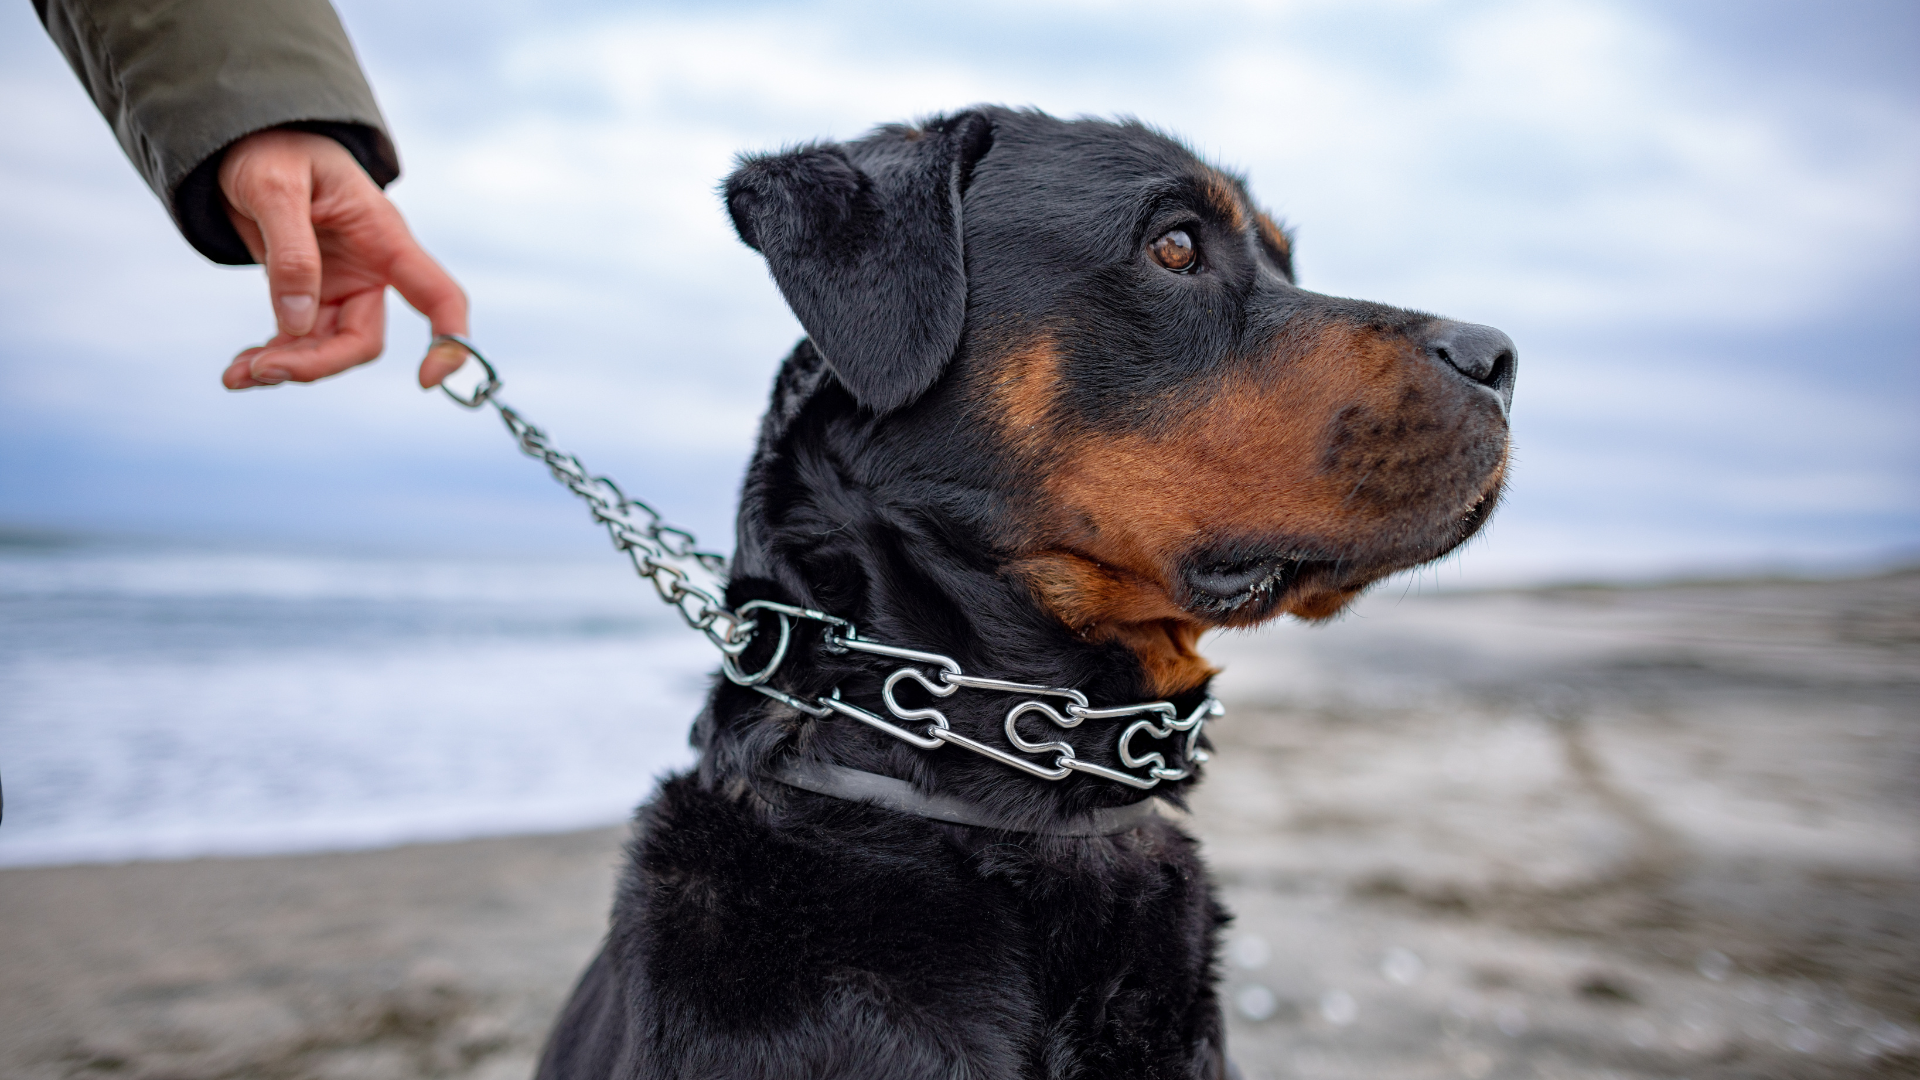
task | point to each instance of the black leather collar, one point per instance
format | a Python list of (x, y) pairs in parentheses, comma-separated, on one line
[(855, 785)]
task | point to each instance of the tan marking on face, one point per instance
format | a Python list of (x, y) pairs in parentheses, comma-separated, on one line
[(1105, 603), (1272, 233), (1223, 196), (1024, 386), (1342, 440), (1324, 604), (1169, 651)]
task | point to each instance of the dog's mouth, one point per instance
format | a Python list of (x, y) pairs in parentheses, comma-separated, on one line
[(1229, 587), (1242, 584)]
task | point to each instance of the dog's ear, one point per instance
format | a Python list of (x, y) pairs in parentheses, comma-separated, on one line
[(864, 240)]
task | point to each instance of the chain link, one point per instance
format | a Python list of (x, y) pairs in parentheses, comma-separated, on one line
[(693, 582)]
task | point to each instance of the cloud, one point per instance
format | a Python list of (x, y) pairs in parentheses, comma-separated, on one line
[(1556, 160), (1651, 215)]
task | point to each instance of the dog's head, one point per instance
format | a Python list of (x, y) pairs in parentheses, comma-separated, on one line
[(1099, 336)]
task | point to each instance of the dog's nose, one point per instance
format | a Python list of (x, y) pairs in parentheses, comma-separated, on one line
[(1481, 353)]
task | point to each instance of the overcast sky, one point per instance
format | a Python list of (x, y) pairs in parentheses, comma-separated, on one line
[(1698, 221)]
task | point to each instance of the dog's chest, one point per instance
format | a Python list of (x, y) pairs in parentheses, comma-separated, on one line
[(1052, 958)]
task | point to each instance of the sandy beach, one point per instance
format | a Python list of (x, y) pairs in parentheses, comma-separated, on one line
[(1574, 833)]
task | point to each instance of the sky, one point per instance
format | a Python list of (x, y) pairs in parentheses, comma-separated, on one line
[(1697, 220)]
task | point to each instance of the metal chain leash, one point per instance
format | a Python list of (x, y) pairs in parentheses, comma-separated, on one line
[(693, 582)]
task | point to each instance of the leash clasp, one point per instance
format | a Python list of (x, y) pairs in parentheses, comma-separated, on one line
[(487, 388)]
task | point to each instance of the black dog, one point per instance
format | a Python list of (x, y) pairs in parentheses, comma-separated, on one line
[(1060, 410)]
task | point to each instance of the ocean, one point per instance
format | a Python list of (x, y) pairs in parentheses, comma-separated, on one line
[(168, 703)]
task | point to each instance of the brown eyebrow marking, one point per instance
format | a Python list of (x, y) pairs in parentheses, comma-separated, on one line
[(1224, 197), (1275, 236)]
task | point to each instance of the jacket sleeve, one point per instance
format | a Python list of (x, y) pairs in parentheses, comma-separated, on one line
[(181, 80)]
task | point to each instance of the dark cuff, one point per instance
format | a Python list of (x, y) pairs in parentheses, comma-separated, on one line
[(200, 210)]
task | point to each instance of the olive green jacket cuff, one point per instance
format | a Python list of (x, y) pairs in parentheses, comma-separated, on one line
[(182, 80)]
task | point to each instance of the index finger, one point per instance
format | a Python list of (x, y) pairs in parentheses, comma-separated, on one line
[(282, 210), (427, 286)]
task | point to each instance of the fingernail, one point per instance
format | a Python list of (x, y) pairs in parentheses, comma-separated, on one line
[(271, 375), (296, 313)]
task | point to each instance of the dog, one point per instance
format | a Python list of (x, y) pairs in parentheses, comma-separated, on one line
[(1061, 408)]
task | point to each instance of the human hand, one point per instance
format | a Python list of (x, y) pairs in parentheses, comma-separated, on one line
[(331, 244)]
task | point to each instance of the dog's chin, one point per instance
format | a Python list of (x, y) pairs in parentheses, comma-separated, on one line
[(1244, 584)]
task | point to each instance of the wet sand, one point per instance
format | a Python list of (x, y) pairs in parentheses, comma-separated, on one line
[(1578, 833)]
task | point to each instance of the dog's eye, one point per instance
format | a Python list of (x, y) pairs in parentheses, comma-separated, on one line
[(1174, 250)]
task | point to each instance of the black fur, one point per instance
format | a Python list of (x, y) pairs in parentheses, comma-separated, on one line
[(865, 243), (824, 938), (760, 931)]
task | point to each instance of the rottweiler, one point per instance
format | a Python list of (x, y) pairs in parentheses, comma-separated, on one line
[(1060, 409)]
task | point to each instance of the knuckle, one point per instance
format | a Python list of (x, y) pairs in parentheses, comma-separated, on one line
[(294, 262), (275, 181)]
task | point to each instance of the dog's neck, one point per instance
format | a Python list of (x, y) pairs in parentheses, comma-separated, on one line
[(838, 517)]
